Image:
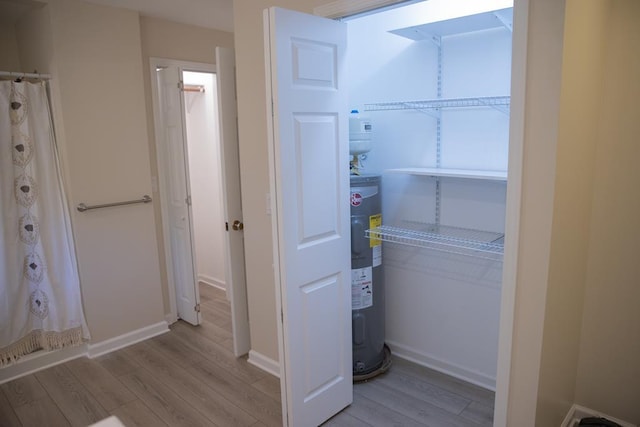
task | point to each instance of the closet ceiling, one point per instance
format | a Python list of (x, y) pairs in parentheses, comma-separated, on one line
[(214, 14)]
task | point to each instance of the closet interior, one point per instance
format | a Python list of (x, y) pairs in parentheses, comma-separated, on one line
[(433, 78)]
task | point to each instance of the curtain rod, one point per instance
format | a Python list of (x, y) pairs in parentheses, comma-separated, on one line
[(192, 88), (24, 75)]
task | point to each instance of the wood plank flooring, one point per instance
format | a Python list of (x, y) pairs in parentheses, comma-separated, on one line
[(189, 377)]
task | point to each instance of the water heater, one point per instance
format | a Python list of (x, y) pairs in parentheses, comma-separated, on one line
[(367, 281)]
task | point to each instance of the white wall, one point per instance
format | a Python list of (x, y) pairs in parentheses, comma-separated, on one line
[(9, 57), (384, 67), (582, 72), (36, 47), (594, 223), (100, 124), (203, 142), (173, 40), (254, 168), (608, 368)]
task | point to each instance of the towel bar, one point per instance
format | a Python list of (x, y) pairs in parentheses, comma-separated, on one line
[(82, 207)]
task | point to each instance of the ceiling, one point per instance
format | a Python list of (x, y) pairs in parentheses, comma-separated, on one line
[(214, 14)]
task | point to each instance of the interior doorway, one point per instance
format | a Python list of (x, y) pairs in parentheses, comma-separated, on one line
[(495, 290), (198, 176)]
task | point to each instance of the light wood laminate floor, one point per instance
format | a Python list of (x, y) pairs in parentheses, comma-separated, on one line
[(189, 377)]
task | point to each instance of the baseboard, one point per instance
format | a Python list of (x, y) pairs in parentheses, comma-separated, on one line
[(212, 281), (470, 376), (40, 360), (263, 362), (170, 318), (124, 340), (577, 412)]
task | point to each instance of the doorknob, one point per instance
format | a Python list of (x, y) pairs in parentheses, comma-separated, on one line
[(237, 225)]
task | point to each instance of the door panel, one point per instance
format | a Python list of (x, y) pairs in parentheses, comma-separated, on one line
[(234, 239), (316, 145), (310, 185), (177, 184)]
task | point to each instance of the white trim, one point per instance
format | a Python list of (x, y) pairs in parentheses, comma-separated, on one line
[(273, 194), (170, 318), (344, 8), (577, 412), (203, 67), (40, 360), (212, 281), (265, 363), (125, 340), (154, 63), (512, 214), (456, 371)]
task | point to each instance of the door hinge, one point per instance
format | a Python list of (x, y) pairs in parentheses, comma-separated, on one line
[(188, 200), (197, 308), (226, 226), (181, 85), (282, 316)]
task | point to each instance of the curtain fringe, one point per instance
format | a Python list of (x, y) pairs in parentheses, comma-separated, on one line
[(39, 339)]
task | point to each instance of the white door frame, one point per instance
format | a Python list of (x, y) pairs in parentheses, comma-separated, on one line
[(155, 63), (235, 275), (343, 8)]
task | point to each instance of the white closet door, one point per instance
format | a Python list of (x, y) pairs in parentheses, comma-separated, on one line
[(310, 182), (177, 184)]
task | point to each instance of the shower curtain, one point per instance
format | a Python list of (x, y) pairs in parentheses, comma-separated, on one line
[(40, 301)]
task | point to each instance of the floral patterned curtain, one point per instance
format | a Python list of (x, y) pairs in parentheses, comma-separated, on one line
[(40, 300)]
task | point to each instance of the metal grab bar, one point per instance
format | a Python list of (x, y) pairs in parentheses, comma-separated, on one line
[(82, 207)]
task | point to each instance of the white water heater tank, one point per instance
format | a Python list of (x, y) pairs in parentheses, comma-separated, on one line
[(360, 132)]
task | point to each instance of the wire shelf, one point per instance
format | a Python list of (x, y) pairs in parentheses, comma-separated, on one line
[(499, 102), (461, 241)]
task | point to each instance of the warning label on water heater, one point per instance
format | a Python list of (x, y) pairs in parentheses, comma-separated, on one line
[(375, 221), (377, 255), (375, 243), (361, 288)]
